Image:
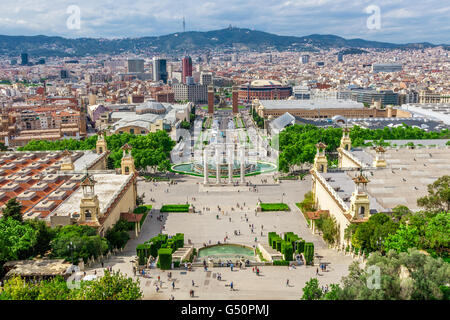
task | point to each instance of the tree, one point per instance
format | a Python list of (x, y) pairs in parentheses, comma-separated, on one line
[(112, 286), (13, 210), (334, 293), (311, 290), (410, 275), (17, 240), (406, 237), (437, 234), (438, 198), (399, 211), (185, 125), (44, 236), (73, 242), (17, 288), (329, 228), (370, 235)]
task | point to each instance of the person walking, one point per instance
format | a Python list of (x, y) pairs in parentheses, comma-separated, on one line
[(231, 286), (317, 271), (193, 283), (173, 285), (287, 283)]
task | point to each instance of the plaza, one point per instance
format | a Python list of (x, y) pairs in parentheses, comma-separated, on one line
[(201, 228)]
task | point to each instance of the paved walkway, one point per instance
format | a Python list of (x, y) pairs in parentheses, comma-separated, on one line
[(205, 227)]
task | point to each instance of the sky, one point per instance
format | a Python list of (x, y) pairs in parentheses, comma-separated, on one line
[(398, 21)]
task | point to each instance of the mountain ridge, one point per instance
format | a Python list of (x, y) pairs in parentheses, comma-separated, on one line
[(192, 41)]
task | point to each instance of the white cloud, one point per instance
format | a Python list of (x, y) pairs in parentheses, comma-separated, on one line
[(124, 18)]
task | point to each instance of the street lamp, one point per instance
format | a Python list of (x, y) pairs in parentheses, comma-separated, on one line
[(71, 246)]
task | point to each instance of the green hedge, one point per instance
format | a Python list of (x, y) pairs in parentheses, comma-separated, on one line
[(286, 250), (175, 208), (309, 252), (280, 263), (143, 253), (142, 209), (274, 207), (165, 258), (301, 246)]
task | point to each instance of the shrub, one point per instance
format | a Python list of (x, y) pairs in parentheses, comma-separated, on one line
[(175, 208), (280, 263), (271, 236), (165, 258), (286, 249), (287, 236), (179, 238), (278, 244), (309, 252), (143, 253), (301, 246), (274, 207)]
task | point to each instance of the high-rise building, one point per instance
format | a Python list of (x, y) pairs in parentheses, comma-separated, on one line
[(64, 74), (159, 69), (24, 57), (135, 65), (305, 58), (193, 93), (340, 57), (206, 78), (187, 68)]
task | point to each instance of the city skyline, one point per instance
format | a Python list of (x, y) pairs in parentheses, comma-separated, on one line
[(400, 22)]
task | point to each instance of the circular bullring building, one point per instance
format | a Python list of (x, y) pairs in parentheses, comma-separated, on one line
[(264, 90)]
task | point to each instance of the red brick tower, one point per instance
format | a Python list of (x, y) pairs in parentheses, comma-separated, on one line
[(235, 100), (210, 99)]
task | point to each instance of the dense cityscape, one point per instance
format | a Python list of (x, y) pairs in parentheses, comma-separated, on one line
[(232, 173)]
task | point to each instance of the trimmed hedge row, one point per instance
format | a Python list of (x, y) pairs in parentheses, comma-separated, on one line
[(175, 208), (290, 245), (280, 263), (154, 245), (309, 252), (274, 207)]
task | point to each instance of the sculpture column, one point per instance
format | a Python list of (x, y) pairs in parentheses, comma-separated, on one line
[(242, 165), (205, 167), (217, 166), (230, 166)]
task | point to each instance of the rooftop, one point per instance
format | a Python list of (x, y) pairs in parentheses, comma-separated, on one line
[(311, 104)]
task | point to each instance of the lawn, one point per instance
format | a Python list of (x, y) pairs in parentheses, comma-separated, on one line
[(175, 208), (274, 207)]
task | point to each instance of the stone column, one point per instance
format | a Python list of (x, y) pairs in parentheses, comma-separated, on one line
[(217, 165), (230, 166), (242, 151), (205, 166)]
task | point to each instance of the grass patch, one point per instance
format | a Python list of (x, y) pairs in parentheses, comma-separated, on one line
[(274, 207), (175, 208), (260, 255)]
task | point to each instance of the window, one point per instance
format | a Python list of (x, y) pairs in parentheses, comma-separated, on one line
[(127, 170), (132, 131), (88, 215)]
